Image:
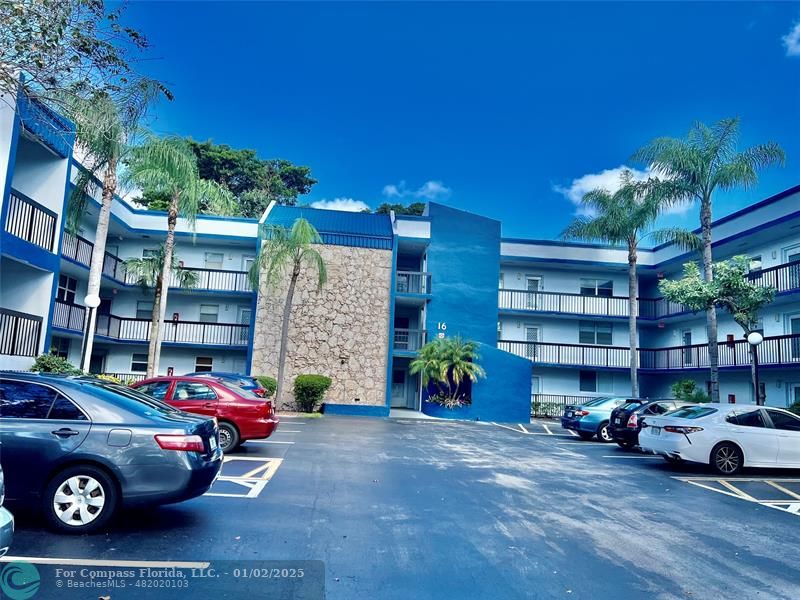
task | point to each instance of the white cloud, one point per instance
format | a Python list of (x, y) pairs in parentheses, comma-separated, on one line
[(792, 41), (430, 190), (346, 204), (608, 180)]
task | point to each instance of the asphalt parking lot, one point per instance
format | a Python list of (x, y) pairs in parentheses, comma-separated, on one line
[(402, 508)]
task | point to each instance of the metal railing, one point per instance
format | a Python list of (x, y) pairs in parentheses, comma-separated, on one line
[(68, 316), (412, 282), (553, 405), (217, 279), (775, 350), (19, 333), (783, 277), (409, 340), (30, 221)]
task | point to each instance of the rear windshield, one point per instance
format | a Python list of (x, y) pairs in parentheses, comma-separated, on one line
[(693, 412), (630, 405), (240, 391), (131, 394), (596, 401)]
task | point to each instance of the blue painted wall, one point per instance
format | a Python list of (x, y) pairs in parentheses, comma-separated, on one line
[(464, 262)]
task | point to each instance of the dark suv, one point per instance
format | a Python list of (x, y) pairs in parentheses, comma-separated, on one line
[(625, 422)]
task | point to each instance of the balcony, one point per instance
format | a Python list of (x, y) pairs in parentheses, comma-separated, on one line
[(30, 221), (784, 278), (79, 249), (218, 280), (775, 351), (412, 282), (409, 340), (127, 329), (19, 333)]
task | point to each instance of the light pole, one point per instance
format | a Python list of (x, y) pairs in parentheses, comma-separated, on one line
[(754, 338), (92, 301)]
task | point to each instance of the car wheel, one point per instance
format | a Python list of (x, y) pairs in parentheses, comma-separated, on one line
[(604, 433), (228, 437), (585, 435), (626, 444), (727, 459), (80, 499)]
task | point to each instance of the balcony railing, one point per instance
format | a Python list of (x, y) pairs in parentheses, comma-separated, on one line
[(409, 340), (783, 277), (775, 350), (412, 282), (81, 250), (552, 405), (217, 279), (19, 333), (30, 221), (68, 316)]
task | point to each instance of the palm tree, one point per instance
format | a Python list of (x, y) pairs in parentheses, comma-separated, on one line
[(625, 217), (148, 272), (283, 250), (448, 362), (707, 160), (168, 166)]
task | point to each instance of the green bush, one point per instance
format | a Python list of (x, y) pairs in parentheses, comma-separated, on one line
[(795, 408), (309, 391), (50, 363), (269, 384), (686, 390)]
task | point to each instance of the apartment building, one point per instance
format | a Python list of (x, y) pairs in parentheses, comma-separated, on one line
[(550, 317)]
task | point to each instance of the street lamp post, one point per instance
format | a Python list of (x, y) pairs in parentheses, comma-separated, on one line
[(754, 338), (91, 302)]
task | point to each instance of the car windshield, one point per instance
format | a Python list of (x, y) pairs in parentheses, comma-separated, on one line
[(131, 394), (693, 412)]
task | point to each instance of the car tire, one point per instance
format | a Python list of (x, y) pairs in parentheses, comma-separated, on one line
[(228, 437), (80, 499), (625, 444), (585, 435), (726, 459), (604, 433)]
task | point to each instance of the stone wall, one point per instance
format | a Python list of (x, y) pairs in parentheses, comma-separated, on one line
[(340, 331)]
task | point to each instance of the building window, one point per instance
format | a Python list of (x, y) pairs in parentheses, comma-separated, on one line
[(60, 346), (247, 262), (138, 363), (214, 260), (203, 364), (755, 263), (66, 289), (501, 280), (149, 252), (144, 309), (499, 330), (209, 313), (588, 381), (597, 287), (595, 333), (592, 381)]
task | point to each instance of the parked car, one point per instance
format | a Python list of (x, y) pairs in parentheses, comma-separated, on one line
[(6, 520), (727, 437), (240, 413), (243, 381), (626, 420), (592, 417), (80, 447)]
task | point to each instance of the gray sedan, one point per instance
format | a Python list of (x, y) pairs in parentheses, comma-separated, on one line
[(81, 447)]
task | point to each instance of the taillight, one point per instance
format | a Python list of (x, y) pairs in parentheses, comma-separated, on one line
[(259, 392), (680, 429), (633, 421), (581, 413), (266, 409), (187, 443)]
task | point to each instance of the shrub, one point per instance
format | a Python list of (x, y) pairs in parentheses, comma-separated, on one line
[(448, 366), (50, 363), (110, 378), (269, 384), (795, 408), (686, 390), (309, 391)]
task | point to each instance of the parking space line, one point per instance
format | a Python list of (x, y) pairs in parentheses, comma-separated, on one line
[(86, 562), (267, 442), (736, 490), (630, 456), (523, 429), (547, 429), (780, 488)]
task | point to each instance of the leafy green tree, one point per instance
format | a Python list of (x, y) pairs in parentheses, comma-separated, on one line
[(686, 390), (415, 208), (626, 217), (447, 363), (706, 160), (287, 250), (168, 166), (730, 288)]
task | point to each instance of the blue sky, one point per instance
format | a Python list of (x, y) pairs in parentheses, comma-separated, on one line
[(508, 110)]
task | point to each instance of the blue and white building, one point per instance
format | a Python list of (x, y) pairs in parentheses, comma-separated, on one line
[(550, 316)]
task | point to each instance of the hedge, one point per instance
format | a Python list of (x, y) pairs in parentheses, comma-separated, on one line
[(309, 391)]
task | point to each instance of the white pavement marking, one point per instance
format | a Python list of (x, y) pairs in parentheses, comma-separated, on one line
[(287, 431), (523, 429), (87, 562), (267, 442), (780, 488), (632, 456), (509, 428), (573, 433)]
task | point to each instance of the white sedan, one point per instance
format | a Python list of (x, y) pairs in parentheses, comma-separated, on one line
[(726, 437)]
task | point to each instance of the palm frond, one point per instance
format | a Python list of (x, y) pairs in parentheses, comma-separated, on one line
[(682, 238)]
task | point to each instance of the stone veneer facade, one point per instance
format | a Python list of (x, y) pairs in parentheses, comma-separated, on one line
[(341, 331)]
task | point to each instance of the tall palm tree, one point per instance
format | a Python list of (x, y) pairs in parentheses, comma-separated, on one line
[(148, 272), (287, 250), (706, 160), (448, 362), (168, 166), (626, 217)]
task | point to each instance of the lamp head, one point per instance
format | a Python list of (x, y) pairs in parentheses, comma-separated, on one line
[(92, 301), (754, 338)]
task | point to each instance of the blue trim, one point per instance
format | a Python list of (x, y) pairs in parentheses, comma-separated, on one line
[(355, 410), (568, 244), (411, 294), (506, 260), (392, 298), (412, 218)]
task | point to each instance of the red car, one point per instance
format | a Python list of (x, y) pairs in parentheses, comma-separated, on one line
[(241, 414)]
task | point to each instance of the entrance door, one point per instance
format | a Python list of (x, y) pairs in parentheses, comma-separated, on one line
[(244, 319), (793, 256), (532, 285), (531, 335), (794, 329), (103, 318), (97, 363), (399, 387), (686, 339)]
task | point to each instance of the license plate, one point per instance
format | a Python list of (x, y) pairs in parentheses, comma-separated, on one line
[(655, 430), (212, 442), (569, 413)]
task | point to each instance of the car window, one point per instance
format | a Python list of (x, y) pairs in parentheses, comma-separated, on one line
[(64, 410), (190, 390), (784, 421), (130, 394), (595, 401), (157, 389), (241, 391), (747, 418), (693, 412), (25, 400)]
